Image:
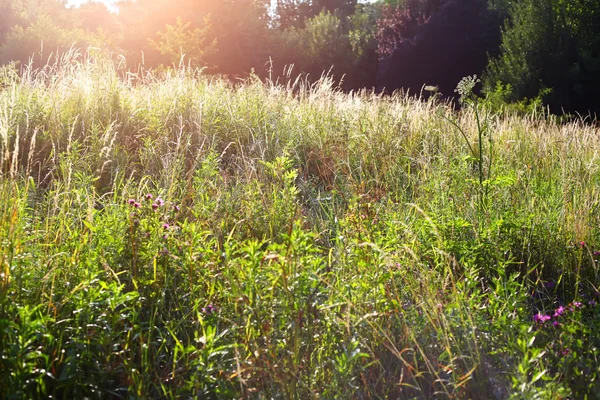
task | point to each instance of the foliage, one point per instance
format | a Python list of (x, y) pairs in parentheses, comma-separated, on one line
[(40, 39), (549, 45), (401, 22), (435, 44), (326, 45), (178, 236), (501, 101), (180, 42)]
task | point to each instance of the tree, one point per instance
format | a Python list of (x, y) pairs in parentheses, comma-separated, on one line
[(437, 43), (38, 41), (239, 27), (550, 46), (180, 40)]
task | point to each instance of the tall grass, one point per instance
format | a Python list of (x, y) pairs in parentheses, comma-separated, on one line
[(182, 236)]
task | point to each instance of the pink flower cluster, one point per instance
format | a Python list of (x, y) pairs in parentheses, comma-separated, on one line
[(156, 204), (541, 318)]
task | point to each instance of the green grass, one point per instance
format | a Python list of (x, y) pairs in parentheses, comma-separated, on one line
[(307, 243)]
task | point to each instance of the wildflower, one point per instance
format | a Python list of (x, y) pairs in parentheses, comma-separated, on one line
[(177, 208), (582, 244), (596, 253), (577, 304), (209, 309), (148, 196), (549, 285), (592, 303), (541, 318), (154, 206), (136, 204), (559, 311), (165, 237), (160, 202), (556, 324), (165, 226), (131, 202)]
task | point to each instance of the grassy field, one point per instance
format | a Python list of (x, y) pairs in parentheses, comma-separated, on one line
[(185, 237)]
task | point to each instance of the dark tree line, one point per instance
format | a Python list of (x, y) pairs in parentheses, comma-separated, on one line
[(523, 49)]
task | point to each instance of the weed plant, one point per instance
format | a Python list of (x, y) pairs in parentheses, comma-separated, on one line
[(180, 236)]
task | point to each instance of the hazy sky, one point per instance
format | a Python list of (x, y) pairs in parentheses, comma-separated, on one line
[(109, 3)]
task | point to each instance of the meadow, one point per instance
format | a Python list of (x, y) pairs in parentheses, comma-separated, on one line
[(177, 235)]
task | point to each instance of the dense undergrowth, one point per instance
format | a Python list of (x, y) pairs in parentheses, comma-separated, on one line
[(183, 237)]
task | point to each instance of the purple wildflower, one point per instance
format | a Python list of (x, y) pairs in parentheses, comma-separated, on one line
[(556, 324), (559, 311), (596, 253), (160, 202), (582, 244), (541, 318), (148, 196), (177, 208), (136, 204), (209, 309), (549, 285), (154, 206), (592, 303), (131, 202), (577, 304), (165, 226)]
